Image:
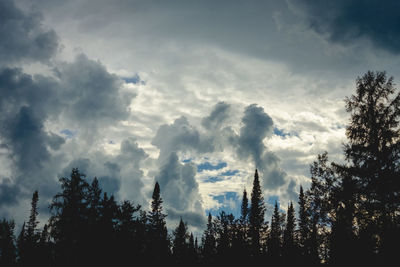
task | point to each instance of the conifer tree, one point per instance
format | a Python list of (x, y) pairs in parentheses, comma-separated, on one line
[(180, 247), (209, 242), (256, 216), (373, 154), (28, 240), (33, 222), (244, 211), (274, 243), (7, 246), (304, 222), (68, 222), (241, 228), (289, 244), (158, 242)]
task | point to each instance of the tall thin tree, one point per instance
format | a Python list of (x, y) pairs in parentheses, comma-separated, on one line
[(256, 216)]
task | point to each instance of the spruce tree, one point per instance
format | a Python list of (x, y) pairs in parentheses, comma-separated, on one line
[(28, 240), (158, 241), (68, 220), (304, 226), (241, 242), (7, 246), (274, 242), (256, 216), (31, 231), (209, 242), (373, 154), (244, 210), (289, 243), (180, 247)]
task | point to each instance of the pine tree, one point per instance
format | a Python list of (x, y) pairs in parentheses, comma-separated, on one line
[(373, 152), (256, 216), (209, 242), (33, 222), (107, 224), (159, 242), (28, 240), (68, 222), (274, 242), (244, 211), (289, 244), (7, 246), (304, 222), (241, 243), (180, 247)]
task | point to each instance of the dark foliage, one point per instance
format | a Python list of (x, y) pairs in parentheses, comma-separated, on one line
[(350, 214)]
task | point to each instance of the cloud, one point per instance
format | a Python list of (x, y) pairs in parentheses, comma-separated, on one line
[(80, 95), (180, 136), (24, 134), (91, 96), (346, 21), (180, 191), (23, 36), (217, 117), (8, 192), (257, 127)]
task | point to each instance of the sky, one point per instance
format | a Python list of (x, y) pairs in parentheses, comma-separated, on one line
[(193, 94)]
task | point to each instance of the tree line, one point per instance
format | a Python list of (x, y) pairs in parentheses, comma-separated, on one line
[(350, 214)]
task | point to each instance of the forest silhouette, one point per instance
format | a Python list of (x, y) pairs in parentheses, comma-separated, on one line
[(349, 215)]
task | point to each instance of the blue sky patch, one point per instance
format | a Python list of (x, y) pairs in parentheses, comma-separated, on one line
[(228, 196), (280, 132), (213, 179), (208, 166), (229, 173), (68, 133), (134, 79)]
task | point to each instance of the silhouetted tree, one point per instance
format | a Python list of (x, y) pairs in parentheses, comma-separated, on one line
[(373, 151), (256, 216), (225, 227), (21, 246), (192, 251), (158, 236), (108, 222), (209, 242), (275, 236), (304, 227), (68, 222), (240, 241), (28, 240), (7, 245), (289, 248), (45, 248), (130, 233), (244, 210), (180, 248)]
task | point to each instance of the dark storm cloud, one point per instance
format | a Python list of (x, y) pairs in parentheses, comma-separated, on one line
[(23, 113), (23, 36), (345, 21), (217, 116), (84, 95), (25, 135), (91, 95), (8, 192)]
